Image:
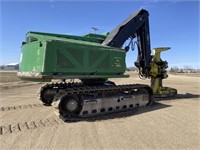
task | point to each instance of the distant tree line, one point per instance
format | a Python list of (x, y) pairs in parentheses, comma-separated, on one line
[(7, 67), (131, 69), (185, 69), (2, 67), (175, 69)]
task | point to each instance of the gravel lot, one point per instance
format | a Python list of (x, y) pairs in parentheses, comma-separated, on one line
[(169, 124)]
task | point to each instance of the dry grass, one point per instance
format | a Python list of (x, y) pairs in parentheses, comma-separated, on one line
[(187, 74), (8, 76), (9, 79), (11, 76)]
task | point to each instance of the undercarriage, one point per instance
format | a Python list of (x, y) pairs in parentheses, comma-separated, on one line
[(73, 101)]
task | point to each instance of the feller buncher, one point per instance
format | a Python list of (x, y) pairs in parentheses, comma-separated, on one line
[(93, 59)]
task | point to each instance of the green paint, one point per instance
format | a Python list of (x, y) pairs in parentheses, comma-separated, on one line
[(78, 56)]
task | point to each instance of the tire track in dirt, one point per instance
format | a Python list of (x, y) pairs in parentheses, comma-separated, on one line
[(24, 126), (11, 108)]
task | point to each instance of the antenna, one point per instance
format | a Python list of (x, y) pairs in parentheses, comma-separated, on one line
[(95, 29)]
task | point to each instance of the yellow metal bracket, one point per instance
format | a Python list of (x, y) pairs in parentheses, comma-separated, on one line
[(158, 73)]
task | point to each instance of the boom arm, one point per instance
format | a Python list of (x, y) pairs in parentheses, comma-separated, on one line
[(137, 25)]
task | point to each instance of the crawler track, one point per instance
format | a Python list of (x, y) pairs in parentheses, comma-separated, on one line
[(86, 101), (49, 90)]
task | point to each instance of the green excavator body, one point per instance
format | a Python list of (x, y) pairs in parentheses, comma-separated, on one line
[(93, 59), (46, 56)]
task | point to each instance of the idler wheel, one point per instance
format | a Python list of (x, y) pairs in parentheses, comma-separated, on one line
[(70, 106), (47, 96)]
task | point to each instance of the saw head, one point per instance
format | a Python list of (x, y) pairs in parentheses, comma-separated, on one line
[(160, 49)]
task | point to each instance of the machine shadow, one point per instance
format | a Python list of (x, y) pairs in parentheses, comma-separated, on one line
[(124, 114), (179, 97), (139, 110)]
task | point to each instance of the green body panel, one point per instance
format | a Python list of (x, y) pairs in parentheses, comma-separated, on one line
[(32, 57), (49, 56)]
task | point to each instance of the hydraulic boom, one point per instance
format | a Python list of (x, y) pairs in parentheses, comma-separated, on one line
[(137, 25)]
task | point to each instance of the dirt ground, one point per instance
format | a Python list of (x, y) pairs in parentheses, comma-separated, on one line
[(9, 79), (169, 124)]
